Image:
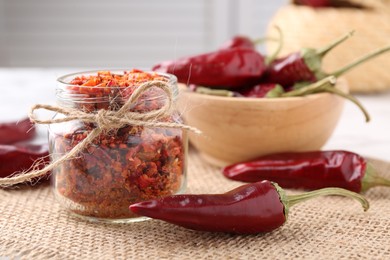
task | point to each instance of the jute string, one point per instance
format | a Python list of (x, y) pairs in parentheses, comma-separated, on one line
[(105, 121)]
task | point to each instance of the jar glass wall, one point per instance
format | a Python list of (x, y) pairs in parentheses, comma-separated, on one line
[(121, 166)]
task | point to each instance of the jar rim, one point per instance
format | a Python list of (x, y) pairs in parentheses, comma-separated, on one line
[(63, 92), (62, 79)]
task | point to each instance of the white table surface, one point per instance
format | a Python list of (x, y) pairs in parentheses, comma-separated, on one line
[(21, 88)]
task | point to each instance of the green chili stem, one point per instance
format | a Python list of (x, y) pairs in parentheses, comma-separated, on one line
[(264, 39), (292, 200), (372, 179), (326, 85), (350, 98), (359, 61), (312, 88), (214, 92), (276, 92), (271, 58), (323, 51)]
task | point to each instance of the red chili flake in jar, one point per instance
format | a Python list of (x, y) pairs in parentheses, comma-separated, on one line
[(121, 166)]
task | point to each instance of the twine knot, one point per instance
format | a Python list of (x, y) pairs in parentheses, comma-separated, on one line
[(102, 121), (105, 120)]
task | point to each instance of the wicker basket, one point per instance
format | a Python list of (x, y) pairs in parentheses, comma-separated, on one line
[(307, 27)]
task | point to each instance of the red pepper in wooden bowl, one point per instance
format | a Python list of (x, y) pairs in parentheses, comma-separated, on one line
[(17, 158), (263, 90), (239, 41), (16, 131), (305, 66), (328, 3), (271, 90), (309, 170), (314, 3), (228, 68), (249, 209)]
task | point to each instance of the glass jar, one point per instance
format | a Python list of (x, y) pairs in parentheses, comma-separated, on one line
[(122, 166)]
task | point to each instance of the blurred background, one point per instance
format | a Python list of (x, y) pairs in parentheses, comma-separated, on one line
[(122, 33), (41, 40)]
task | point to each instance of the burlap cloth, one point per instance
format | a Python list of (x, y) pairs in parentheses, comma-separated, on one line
[(34, 226)]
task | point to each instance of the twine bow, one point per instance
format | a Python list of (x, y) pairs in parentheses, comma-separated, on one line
[(105, 121)]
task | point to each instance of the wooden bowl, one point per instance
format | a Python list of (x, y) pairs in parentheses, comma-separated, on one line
[(238, 129)]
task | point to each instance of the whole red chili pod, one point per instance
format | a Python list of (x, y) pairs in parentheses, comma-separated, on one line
[(239, 41), (16, 131), (309, 170), (229, 68), (328, 3), (306, 65), (314, 3), (249, 209), (300, 66), (263, 90), (17, 158), (271, 90)]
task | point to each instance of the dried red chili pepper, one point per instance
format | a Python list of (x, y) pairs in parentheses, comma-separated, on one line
[(229, 68), (263, 90), (309, 170), (328, 3), (305, 66), (12, 132), (274, 91), (240, 41), (249, 209), (314, 3), (266, 90), (300, 66), (270, 90), (17, 158)]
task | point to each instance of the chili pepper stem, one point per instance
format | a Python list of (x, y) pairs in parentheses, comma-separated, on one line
[(277, 91), (312, 88), (326, 85), (350, 98), (271, 58), (215, 92), (323, 51), (372, 179), (262, 40), (291, 200), (360, 60)]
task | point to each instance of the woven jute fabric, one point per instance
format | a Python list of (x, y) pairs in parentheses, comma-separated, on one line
[(34, 226), (305, 27)]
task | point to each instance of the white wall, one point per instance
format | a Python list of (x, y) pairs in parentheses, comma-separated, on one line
[(3, 45), (121, 33)]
